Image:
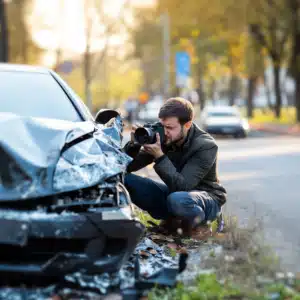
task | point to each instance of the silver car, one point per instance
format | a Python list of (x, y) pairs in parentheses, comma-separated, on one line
[(224, 120)]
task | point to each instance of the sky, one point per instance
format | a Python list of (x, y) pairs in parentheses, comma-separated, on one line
[(60, 23)]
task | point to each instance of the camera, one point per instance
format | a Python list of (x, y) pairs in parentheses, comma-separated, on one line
[(147, 133)]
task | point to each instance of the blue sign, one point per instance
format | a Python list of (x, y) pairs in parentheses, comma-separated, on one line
[(183, 68), (66, 67)]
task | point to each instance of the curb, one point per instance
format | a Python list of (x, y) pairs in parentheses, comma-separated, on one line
[(293, 130)]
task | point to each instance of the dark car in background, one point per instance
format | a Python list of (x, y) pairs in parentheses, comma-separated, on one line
[(63, 204), (224, 120)]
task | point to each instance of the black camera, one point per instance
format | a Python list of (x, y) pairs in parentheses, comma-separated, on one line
[(147, 133)]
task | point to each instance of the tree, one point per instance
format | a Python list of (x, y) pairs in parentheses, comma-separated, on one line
[(146, 37), (211, 27), (270, 29), (98, 26), (3, 33), (294, 8), (255, 70), (22, 49)]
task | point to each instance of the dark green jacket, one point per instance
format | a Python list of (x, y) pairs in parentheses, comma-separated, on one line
[(192, 166)]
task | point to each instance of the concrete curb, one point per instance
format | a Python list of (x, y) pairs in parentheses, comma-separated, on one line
[(293, 130)]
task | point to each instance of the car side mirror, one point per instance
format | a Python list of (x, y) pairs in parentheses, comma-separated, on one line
[(105, 115)]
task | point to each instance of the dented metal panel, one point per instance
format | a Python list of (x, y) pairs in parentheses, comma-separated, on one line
[(42, 157)]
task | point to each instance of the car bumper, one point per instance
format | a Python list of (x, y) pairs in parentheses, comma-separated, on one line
[(52, 245)]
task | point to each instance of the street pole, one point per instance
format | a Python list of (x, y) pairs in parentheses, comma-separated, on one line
[(166, 53)]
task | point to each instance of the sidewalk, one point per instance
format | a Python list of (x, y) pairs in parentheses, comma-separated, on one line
[(285, 129)]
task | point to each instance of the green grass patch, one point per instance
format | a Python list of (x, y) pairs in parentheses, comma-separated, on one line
[(208, 287), (247, 268), (145, 217)]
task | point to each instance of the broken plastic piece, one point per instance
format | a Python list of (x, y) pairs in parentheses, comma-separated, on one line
[(166, 277)]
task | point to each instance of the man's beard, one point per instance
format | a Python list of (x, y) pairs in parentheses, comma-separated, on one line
[(178, 139)]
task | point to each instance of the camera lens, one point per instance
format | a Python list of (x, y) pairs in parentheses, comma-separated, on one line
[(143, 135)]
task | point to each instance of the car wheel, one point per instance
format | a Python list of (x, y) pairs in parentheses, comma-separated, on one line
[(240, 135)]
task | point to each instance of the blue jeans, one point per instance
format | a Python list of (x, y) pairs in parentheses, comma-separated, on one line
[(154, 197)]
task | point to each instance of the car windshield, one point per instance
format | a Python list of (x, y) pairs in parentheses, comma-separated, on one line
[(222, 114), (34, 94)]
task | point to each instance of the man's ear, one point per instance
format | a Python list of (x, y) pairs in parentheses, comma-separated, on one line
[(188, 125)]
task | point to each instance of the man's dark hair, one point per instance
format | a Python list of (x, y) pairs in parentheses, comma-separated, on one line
[(177, 107)]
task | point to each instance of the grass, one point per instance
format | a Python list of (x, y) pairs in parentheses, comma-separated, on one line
[(208, 287), (288, 116), (144, 217), (245, 259)]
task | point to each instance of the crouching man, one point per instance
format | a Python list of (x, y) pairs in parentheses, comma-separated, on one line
[(186, 161)]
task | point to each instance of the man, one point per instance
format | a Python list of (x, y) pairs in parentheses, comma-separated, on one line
[(187, 164)]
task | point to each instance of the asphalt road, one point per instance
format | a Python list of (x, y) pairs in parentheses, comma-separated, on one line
[(262, 177)]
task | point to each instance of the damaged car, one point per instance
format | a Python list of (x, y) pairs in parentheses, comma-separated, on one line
[(63, 204)]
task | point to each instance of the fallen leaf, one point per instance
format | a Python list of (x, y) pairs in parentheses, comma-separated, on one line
[(152, 251), (144, 254), (169, 239), (172, 246), (156, 237), (182, 250)]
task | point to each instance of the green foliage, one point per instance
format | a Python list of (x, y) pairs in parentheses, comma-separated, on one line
[(147, 40), (120, 84), (208, 287), (145, 217)]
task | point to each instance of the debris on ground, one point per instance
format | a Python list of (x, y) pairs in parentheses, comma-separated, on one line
[(162, 261)]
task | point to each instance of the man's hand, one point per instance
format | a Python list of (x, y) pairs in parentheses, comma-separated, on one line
[(154, 149)]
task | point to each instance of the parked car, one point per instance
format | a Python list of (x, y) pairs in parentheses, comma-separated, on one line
[(224, 120), (63, 204), (148, 113)]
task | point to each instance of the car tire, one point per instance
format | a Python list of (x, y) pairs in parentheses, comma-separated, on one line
[(240, 135)]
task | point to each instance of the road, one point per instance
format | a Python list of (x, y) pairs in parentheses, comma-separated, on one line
[(262, 177)]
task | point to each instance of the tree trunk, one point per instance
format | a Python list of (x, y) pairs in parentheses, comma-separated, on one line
[(297, 97), (24, 43), (233, 89), (268, 92), (212, 95), (87, 78), (3, 33), (251, 90), (277, 88), (88, 96), (295, 60), (201, 95)]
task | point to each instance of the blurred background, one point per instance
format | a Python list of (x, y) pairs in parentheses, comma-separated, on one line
[(127, 53)]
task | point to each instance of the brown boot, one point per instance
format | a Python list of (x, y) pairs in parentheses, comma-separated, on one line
[(168, 226), (200, 232)]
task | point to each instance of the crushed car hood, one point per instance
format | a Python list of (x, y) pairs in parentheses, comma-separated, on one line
[(42, 157)]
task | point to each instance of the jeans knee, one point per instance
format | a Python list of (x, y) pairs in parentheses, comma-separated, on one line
[(178, 203), (130, 180)]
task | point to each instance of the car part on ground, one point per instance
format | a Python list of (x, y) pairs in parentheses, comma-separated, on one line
[(156, 267)]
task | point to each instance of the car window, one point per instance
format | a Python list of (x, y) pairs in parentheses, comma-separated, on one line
[(222, 114), (33, 94)]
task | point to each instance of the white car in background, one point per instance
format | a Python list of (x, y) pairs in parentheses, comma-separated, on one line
[(224, 120), (149, 112)]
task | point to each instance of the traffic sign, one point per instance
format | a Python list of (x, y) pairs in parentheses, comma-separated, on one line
[(183, 68)]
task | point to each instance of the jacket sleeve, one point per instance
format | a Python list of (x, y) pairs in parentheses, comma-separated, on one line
[(140, 158), (192, 173)]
